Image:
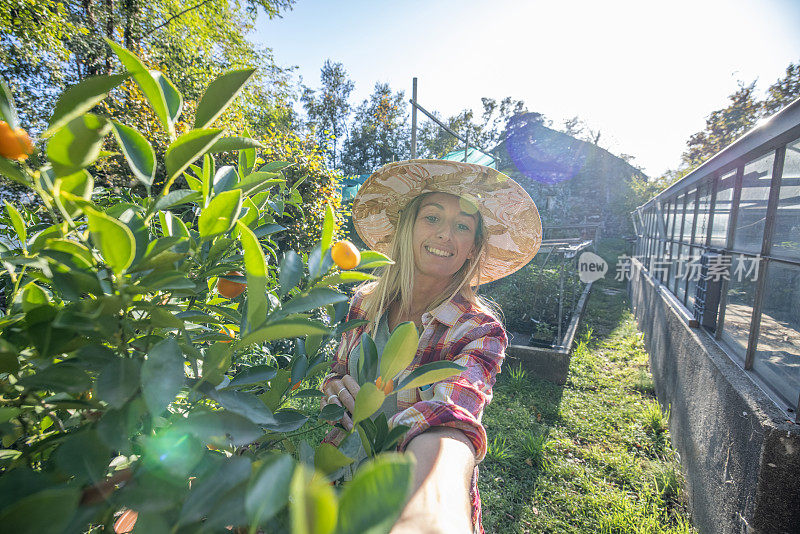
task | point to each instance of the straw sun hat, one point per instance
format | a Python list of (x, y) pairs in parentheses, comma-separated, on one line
[(510, 217)]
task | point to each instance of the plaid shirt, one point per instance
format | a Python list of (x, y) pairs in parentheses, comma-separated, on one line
[(455, 331)]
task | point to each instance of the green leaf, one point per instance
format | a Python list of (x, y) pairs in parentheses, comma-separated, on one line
[(118, 381), (206, 493), (8, 112), (176, 198), (268, 229), (331, 412), (46, 512), (185, 150), (220, 215), (83, 456), (224, 179), (74, 191), (80, 98), (33, 296), (287, 421), (285, 328), (205, 178), (316, 298), (312, 504), (229, 144), (368, 401), (255, 264), (291, 272), (327, 229), (172, 96), (268, 491), (368, 361), (344, 277), (138, 153), (217, 362), (276, 166), (77, 144), (371, 259), (430, 373), (114, 239), (221, 429), (218, 96), (59, 377), (153, 90), (258, 181), (328, 459), (256, 374), (245, 404), (11, 171), (385, 484), (81, 255), (399, 351), (162, 375), (18, 224)]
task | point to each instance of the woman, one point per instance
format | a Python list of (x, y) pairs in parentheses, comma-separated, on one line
[(449, 227)]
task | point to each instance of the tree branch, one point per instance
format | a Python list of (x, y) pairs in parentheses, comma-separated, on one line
[(173, 17)]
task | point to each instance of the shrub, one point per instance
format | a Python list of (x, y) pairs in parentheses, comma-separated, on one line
[(128, 382)]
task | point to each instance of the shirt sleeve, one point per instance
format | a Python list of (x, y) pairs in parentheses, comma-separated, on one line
[(339, 365), (458, 401)]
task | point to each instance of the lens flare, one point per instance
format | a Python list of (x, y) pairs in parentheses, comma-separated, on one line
[(544, 155)]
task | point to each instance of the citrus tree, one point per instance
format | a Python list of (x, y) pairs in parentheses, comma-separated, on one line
[(141, 386)]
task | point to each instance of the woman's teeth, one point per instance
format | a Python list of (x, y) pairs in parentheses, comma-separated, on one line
[(437, 252)]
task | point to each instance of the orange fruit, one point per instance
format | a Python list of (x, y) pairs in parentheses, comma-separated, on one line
[(126, 522), (345, 255), (228, 332), (14, 144), (228, 288)]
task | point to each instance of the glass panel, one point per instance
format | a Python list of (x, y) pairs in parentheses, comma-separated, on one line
[(703, 207), (691, 274), (673, 273), (679, 217), (722, 210), (786, 239), (670, 207), (738, 311), (777, 358), (688, 218), (753, 205), (680, 270)]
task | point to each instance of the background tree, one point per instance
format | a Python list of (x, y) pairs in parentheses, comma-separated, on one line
[(379, 133), (783, 91), (329, 110), (724, 125)]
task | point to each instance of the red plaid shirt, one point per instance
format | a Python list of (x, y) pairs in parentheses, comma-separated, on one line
[(455, 331)]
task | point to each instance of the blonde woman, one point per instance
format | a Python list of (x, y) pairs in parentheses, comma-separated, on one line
[(449, 227)]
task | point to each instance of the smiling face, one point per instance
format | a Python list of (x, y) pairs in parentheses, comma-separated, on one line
[(443, 237)]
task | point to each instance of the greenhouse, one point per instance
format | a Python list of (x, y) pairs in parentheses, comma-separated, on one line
[(715, 286)]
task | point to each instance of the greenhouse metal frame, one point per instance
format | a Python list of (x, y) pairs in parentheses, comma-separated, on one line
[(725, 241)]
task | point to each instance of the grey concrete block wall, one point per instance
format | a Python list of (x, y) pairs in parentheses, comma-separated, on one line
[(739, 453)]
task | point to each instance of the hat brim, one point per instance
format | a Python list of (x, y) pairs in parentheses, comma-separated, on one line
[(510, 217)]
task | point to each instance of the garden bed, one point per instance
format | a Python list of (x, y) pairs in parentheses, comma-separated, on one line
[(593, 455)]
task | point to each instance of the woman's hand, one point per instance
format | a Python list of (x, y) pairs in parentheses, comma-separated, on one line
[(342, 392)]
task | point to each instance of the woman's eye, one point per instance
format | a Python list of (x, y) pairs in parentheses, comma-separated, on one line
[(463, 227), (432, 218)]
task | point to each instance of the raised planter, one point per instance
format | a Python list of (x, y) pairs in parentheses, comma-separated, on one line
[(551, 363)]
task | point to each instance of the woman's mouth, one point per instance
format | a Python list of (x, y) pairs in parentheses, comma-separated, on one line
[(438, 252)]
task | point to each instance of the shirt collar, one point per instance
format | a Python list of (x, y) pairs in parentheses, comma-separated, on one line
[(448, 312)]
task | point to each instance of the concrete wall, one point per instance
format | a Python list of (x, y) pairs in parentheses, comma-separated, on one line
[(740, 454)]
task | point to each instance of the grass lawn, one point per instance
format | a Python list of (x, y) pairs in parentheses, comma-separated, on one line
[(593, 455)]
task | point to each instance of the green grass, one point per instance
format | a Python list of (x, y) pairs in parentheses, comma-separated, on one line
[(593, 455)]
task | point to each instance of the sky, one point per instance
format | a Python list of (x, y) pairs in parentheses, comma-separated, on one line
[(644, 73)]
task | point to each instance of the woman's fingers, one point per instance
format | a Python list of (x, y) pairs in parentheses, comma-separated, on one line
[(347, 393)]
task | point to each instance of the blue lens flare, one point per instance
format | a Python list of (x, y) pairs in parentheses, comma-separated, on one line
[(544, 155), (172, 453)]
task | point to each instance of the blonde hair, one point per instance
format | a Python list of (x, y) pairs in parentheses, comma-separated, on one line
[(396, 282)]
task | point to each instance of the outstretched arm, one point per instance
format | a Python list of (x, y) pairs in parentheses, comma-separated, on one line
[(440, 502)]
